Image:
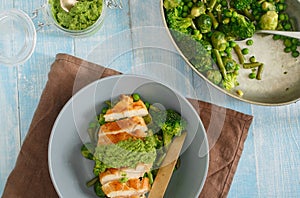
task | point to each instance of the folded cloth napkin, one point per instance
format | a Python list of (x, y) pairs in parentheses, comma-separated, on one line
[(30, 177)]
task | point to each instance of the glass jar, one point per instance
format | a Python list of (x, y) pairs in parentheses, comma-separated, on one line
[(15, 49)]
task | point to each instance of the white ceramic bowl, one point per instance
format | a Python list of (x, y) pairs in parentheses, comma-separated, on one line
[(70, 171)]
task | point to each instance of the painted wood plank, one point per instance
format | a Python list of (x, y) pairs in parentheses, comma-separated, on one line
[(277, 150), (110, 46), (33, 74), (9, 122), (9, 119)]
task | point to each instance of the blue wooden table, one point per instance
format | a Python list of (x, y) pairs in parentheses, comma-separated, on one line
[(133, 40)]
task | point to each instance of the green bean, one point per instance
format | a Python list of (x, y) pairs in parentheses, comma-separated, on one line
[(215, 23), (239, 53), (220, 63), (92, 181), (150, 176), (248, 14), (251, 65), (211, 5), (259, 72)]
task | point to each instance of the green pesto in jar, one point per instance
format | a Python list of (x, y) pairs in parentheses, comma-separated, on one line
[(126, 153), (84, 14)]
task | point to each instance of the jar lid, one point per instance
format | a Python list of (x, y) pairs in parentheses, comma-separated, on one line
[(18, 37)]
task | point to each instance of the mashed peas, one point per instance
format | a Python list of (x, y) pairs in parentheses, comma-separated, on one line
[(126, 153), (84, 14)]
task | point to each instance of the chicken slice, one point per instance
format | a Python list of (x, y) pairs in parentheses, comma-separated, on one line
[(126, 107), (111, 174), (113, 132), (130, 188), (105, 139)]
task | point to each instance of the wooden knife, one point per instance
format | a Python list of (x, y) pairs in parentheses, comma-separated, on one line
[(164, 173)]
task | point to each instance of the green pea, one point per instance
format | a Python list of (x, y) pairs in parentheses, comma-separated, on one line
[(226, 21), (281, 17), (280, 7), (224, 3), (234, 14), (276, 37), (295, 54), (294, 47), (190, 4), (294, 41), (232, 44), (252, 75), (104, 110), (147, 104), (228, 14), (184, 14), (287, 42), (257, 17), (287, 26), (249, 42), (228, 50), (135, 97), (287, 49), (252, 59), (286, 16), (245, 51), (185, 8)]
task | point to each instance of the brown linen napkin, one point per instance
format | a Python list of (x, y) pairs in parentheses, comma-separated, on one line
[(30, 177)]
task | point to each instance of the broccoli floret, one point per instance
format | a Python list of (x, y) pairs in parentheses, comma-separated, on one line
[(238, 27), (230, 81), (170, 122), (176, 22), (241, 4), (170, 4), (219, 41), (230, 64)]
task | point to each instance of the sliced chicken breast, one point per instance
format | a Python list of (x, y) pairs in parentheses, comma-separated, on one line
[(130, 188), (111, 174), (126, 107), (113, 132)]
